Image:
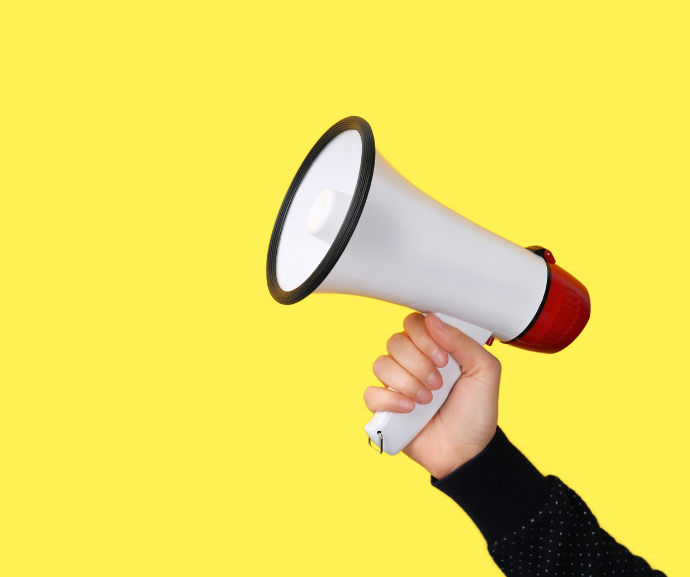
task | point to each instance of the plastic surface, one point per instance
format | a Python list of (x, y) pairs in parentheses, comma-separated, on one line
[(327, 214), (411, 250), (398, 429), (564, 316)]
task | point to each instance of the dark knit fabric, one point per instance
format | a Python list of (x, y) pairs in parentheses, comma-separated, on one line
[(534, 525), (498, 489)]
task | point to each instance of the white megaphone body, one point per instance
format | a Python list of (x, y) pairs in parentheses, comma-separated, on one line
[(350, 223)]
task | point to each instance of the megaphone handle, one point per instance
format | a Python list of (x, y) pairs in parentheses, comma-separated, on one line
[(396, 430)]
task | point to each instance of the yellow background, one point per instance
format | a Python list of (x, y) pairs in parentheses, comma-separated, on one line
[(160, 414)]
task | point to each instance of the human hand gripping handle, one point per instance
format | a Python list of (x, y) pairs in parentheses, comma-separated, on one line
[(456, 423), (396, 430)]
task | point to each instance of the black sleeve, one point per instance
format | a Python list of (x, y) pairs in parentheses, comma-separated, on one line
[(534, 525)]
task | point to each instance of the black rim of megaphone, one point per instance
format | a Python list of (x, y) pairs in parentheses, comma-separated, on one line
[(359, 198)]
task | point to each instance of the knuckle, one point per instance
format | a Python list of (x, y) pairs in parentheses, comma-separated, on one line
[(412, 385), (379, 364), (495, 364), (394, 340), (422, 366), (458, 336), (427, 344), (410, 319), (367, 396)]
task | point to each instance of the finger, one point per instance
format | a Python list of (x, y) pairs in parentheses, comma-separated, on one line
[(416, 329), (410, 358), (393, 375), (381, 399), (471, 356)]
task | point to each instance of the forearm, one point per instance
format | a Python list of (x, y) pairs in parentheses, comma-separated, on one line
[(534, 524)]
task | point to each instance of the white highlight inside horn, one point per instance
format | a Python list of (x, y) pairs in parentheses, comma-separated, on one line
[(327, 214)]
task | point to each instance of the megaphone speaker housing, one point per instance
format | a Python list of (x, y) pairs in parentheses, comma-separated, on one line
[(352, 224)]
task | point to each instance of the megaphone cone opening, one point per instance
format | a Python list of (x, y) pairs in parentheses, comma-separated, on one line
[(359, 196)]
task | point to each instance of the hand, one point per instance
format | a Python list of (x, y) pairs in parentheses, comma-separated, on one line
[(467, 421)]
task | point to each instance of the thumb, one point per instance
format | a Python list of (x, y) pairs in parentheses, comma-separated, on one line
[(471, 356)]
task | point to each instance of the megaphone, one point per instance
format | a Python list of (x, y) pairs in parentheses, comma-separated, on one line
[(350, 223)]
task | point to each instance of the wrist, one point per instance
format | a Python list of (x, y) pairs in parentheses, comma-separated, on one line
[(451, 463), (499, 488)]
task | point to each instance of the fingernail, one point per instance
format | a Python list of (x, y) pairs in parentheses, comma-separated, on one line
[(440, 358), (424, 396), (435, 381), (406, 405), (440, 325)]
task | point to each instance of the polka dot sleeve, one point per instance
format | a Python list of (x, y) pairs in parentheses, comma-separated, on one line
[(535, 525)]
